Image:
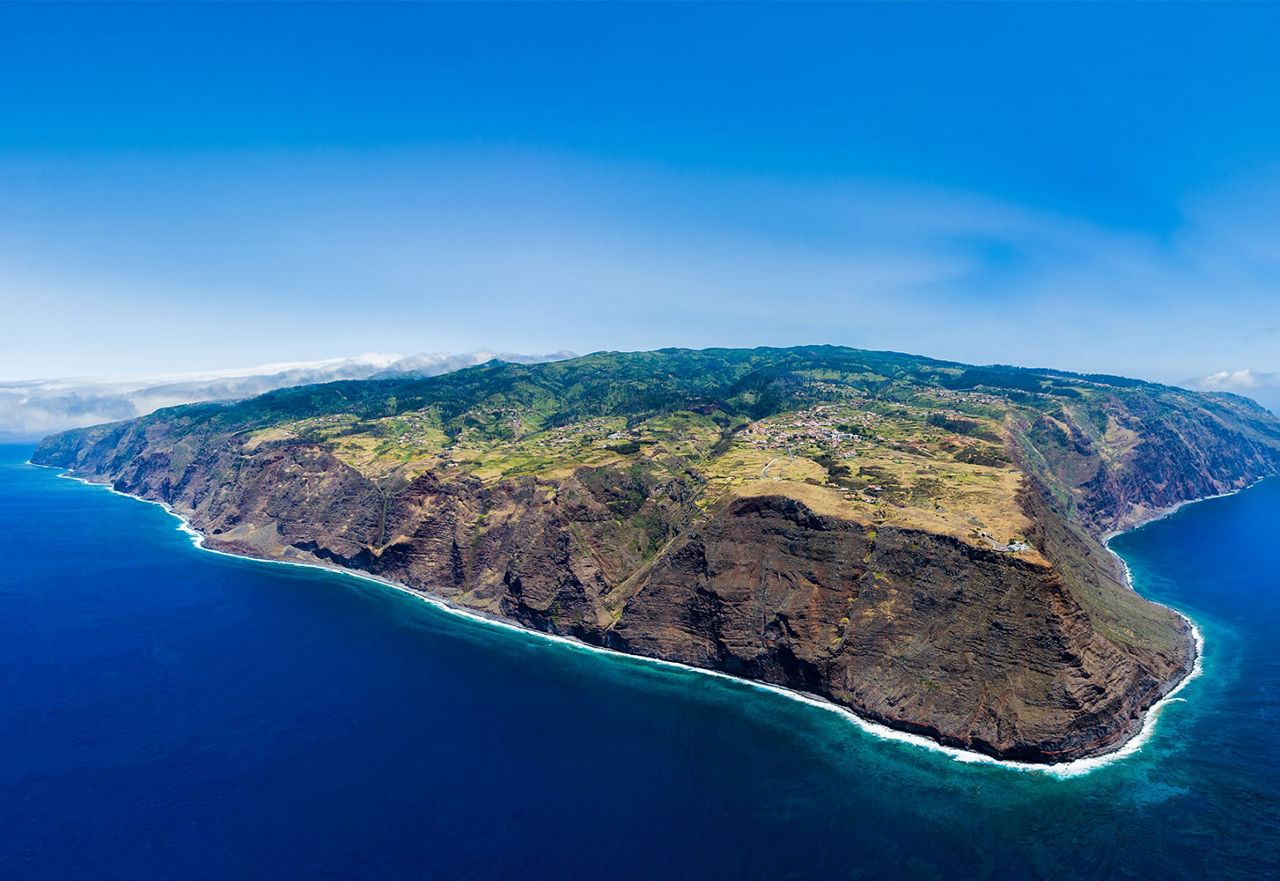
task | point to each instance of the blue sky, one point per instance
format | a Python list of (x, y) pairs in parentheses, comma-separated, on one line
[(1086, 186)]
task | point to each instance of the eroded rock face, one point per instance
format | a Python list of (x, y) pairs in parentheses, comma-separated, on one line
[(1138, 456), (919, 631)]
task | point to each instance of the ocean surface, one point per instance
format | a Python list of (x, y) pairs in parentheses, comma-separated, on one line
[(168, 713)]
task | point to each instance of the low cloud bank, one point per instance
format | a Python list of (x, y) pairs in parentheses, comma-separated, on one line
[(1237, 380), (1262, 386), (32, 409)]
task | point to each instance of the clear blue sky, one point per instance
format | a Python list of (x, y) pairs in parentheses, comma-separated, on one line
[(1088, 186)]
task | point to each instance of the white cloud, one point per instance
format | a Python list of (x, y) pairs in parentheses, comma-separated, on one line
[(1237, 380)]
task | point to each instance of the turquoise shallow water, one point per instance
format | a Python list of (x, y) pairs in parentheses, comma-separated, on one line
[(169, 713)]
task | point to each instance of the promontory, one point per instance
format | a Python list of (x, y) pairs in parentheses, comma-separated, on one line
[(919, 541)]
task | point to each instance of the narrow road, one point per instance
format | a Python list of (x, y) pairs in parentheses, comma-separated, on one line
[(763, 471)]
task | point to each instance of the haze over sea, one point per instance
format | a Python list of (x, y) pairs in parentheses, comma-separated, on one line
[(169, 713)]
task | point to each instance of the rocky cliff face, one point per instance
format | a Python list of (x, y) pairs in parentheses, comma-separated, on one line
[(1042, 659), (919, 631), (1115, 463)]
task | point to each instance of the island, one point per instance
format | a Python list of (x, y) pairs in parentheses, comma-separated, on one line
[(919, 541)]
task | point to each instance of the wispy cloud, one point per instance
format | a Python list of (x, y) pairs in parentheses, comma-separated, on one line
[(271, 257)]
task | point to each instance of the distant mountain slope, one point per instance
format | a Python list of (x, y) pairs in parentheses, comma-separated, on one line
[(33, 408), (917, 540)]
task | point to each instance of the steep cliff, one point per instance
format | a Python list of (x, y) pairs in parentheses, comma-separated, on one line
[(881, 588)]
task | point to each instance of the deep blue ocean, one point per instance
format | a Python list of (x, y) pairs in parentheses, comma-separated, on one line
[(167, 713)]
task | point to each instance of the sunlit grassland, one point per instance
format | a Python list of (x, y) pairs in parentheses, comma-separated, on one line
[(846, 456)]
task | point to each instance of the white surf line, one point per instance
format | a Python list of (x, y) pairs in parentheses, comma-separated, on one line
[(1063, 770)]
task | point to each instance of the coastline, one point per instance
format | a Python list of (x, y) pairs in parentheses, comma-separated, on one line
[(1162, 513), (1063, 770), (1197, 636)]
